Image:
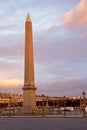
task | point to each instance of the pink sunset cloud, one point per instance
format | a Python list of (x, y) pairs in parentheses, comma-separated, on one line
[(51, 27), (76, 17), (11, 85)]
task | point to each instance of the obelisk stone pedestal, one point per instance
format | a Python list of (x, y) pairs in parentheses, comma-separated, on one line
[(29, 105)]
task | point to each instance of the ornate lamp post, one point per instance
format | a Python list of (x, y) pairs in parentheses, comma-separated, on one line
[(83, 105), (43, 114)]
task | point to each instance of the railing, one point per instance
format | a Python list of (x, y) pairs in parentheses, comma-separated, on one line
[(43, 112)]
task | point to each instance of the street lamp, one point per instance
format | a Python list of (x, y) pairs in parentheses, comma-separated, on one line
[(9, 106), (83, 94), (64, 105), (83, 105), (43, 114), (80, 100)]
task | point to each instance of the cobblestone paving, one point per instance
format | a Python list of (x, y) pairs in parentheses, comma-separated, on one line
[(43, 123)]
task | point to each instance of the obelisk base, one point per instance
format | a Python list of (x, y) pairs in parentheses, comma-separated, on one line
[(29, 96)]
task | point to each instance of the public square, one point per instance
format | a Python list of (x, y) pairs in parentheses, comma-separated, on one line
[(31, 123), (43, 65)]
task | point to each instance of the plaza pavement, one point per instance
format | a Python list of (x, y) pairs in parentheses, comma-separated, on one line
[(46, 116), (43, 123)]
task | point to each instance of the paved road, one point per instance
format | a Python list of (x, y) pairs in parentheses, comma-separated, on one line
[(43, 123)]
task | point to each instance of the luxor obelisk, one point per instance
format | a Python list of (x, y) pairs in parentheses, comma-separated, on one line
[(29, 89)]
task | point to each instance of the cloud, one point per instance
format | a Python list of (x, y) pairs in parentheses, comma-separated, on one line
[(12, 50), (9, 70), (11, 85), (57, 55), (55, 49), (51, 27), (76, 17), (56, 58), (83, 36), (70, 86)]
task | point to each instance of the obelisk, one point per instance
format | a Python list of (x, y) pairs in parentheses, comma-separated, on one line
[(29, 89)]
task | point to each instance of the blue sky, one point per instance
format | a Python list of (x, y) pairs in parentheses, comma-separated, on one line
[(60, 45)]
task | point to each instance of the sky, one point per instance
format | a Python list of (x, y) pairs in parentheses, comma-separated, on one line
[(60, 45)]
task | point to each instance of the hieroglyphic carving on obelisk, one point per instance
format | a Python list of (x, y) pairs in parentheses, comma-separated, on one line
[(29, 90)]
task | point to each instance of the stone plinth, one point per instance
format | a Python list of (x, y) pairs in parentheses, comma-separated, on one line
[(29, 97)]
